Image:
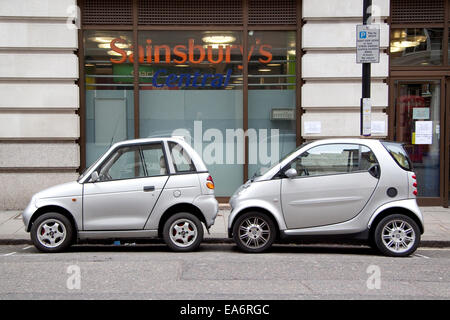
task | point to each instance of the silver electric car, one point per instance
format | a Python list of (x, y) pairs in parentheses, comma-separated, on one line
[(156, 187), (349, 188)]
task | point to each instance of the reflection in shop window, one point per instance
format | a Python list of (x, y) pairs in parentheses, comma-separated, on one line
[(109, 94), (416, 46)]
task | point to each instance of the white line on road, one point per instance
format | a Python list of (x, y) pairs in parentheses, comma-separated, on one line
[(422, 256), (8, 254), (27, 247)]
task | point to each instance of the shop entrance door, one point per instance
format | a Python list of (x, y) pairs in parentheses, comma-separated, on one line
[(419, 115)]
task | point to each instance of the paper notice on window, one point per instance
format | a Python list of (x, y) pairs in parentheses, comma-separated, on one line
[(312, 127), (424, 132)]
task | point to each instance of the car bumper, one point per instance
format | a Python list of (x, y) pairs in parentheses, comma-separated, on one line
[(28, 213), (209, 206)]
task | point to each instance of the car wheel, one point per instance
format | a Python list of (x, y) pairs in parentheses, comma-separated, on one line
[(397, 235), (254, 232), (52, 232), (183, 232)]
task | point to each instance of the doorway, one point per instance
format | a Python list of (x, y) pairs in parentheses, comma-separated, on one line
[(419, 123)]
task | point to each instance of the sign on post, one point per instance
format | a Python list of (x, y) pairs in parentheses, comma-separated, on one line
[(367, 43)]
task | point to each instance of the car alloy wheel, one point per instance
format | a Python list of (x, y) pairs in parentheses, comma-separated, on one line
[(254, 232), (183, 232), (397, 235), (51, 233)]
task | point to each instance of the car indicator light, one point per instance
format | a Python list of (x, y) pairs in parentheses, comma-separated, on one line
[(210, 183), (414, 176), (415, 184), (415, 192)]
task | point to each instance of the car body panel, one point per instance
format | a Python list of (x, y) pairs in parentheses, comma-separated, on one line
[(107, 203), (321, 200)]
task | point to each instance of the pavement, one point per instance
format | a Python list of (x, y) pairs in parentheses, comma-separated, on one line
[(437, 227)]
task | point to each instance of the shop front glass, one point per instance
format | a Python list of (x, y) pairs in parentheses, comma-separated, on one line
[(418, 126), (271, 98), (109, 93), (191, 85), (416, 46)]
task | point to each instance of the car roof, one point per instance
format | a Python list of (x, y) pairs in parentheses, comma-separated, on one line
[(148, 140)]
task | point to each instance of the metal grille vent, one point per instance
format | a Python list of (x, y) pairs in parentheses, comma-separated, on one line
[(157, 12), (417, 11), (107, 12), (272, 12)]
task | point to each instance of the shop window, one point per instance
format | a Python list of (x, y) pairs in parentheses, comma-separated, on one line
[(271, 97), (416, 46), (190, 84), (109, 91)]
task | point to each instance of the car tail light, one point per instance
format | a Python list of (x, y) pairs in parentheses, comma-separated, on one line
[(209, 182), (414, 184)]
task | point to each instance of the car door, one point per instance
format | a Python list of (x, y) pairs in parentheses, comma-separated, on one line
[(333, 184), (130, 182)]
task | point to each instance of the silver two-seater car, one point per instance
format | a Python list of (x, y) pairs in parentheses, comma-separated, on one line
[(146, 188), (349, 188)]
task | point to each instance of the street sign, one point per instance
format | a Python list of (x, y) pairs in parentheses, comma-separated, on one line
[(368, 43)]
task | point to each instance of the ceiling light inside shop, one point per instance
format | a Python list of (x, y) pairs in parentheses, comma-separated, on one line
[(291, 52), (218, 39), (102, 39), (264, 70), (182, 65), (273, 64), (117, 44)]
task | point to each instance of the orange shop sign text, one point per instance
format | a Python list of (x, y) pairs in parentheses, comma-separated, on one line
[(192, 53)]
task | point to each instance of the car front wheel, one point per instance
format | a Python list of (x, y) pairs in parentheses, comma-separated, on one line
[(397, 235), (254, 232), (52, 232), (183, 232)]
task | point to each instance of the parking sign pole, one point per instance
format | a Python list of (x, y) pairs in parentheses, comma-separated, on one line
[(366, 71)]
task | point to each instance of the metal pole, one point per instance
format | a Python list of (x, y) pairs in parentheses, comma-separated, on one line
[(365, 66)]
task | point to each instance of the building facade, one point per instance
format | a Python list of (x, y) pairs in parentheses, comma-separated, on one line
[(244, 81)]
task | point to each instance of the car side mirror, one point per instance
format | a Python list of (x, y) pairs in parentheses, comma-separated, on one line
[(291, 173), (94, 176)]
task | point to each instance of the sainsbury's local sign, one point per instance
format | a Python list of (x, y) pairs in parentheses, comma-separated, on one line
[(191, 53)]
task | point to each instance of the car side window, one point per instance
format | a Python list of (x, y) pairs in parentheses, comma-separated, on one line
[(182, 162), (125, 163), (154, 160), (334, 159)]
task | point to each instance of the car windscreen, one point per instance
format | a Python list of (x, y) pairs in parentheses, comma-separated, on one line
[(399, 154)]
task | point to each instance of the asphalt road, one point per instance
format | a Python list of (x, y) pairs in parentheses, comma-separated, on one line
[(219, 271)]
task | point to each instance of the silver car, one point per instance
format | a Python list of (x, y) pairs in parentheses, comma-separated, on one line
[(349, 188), (146, 188)]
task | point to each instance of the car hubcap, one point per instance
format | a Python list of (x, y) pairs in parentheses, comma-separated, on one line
[(51, 233), (398, 236), (183, 232), (254, 232)]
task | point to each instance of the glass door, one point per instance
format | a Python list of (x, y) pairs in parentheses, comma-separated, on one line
[(418, 126)]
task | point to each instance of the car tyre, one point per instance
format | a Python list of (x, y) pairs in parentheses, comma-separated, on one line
[(397, 235), (52, 232), (183, 232), (254, 232)]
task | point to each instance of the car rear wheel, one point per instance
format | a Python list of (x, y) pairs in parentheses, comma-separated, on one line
[(397, 235), (52, 232), (183, 232), (254, 232)]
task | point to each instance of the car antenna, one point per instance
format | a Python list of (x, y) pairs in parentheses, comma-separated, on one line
[(114, 134)]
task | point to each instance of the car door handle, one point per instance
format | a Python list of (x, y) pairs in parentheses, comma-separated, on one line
[(149, 188)]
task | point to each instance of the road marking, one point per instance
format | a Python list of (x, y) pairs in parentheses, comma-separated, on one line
[(9, 254), (27, 247), (422, 256)]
